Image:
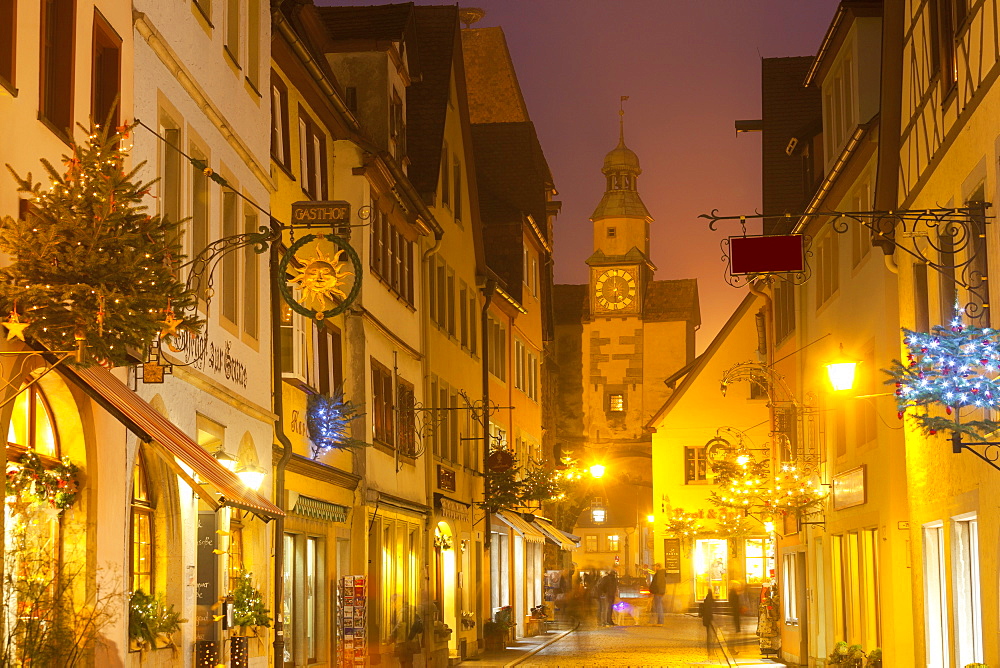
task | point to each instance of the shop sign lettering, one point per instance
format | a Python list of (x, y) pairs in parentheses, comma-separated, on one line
[(321, 212), (200, 352)]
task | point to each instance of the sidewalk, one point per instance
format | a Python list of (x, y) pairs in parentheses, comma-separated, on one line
[(516, 653)]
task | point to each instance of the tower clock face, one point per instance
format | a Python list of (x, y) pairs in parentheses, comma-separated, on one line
[(615, 289)]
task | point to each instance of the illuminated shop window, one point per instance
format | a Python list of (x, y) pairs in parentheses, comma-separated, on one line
[(142, 529)]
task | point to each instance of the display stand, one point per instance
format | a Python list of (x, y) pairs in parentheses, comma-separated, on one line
[(351, 628)]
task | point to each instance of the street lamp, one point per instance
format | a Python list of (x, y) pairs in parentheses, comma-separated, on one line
[(251, 475), (597, 471), (227, 460), (841, 372)]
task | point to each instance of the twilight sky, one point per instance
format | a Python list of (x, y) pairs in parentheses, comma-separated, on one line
[(690, 68)]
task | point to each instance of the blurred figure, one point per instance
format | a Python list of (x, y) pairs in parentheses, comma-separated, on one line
[(607, 589), (707, 612), (657, 588), (736, 603)]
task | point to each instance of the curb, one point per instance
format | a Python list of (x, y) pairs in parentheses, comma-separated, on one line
[(536, 650)]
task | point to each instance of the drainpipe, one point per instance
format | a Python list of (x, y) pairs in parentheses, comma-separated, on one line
[(488, 291), (769, 354), (279, 471)]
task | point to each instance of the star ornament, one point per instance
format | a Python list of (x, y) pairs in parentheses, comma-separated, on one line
[(170, 325), (321, 278), (15, 328)]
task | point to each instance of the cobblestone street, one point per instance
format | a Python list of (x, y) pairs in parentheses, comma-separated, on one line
[(679, 642)]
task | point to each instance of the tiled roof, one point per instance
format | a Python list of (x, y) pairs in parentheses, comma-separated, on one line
[(620, 203), (788, 109), (571, 303), (376, 22), (494, 93), (668, 301), (511, 171), (503, 255), (427, 100)]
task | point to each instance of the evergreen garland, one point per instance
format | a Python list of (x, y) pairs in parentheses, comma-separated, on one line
[(58, 486), (951, 367), (88, 264)]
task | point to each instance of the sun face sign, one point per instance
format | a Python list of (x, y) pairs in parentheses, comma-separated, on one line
[(326, 283), (321, 279)]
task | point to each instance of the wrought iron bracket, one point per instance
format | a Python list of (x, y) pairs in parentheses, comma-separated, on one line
[(945, 239), (990, 452)]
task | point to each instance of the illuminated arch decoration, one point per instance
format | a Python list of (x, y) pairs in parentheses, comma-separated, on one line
[(320, 277)]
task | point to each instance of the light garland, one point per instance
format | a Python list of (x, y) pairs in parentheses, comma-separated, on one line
[(328, 419), (748, 485), (954, 367)]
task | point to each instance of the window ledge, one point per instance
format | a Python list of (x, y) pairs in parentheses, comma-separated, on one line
[(8, 86)]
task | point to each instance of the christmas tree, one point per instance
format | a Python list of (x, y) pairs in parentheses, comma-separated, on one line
[(89, 266), (953, 367)]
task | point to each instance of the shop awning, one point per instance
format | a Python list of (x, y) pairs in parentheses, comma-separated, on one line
[(169, 441), (517, 523), (557, 537), (317, 509)]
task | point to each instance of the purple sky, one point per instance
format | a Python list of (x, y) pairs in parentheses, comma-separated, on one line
[(690, 68)]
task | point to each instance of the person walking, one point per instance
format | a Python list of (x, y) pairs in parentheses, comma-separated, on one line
[(657, 588), (707, 612), (608, 590), (736, 603)]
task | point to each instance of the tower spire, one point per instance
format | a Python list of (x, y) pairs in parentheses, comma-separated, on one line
[(621, 120)]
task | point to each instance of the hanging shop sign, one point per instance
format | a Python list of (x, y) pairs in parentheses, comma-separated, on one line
[(500, 461), (323, 280), (772, 254), (325, 214)]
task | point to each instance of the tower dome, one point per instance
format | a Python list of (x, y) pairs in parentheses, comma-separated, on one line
[(621, 195), (621, 159)]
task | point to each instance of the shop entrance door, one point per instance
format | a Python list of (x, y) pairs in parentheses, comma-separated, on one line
[(711, 568)]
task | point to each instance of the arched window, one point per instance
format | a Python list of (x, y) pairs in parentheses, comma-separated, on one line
[(31, 423), (142, 528)]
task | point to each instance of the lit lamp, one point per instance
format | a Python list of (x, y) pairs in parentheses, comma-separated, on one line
[(597, 471), (226, 459), (650, 518), (841, 372), (769, 526), (251, 475)]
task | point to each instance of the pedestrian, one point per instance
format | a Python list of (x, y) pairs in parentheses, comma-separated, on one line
[(736, 603), (707, 612), (607, 589), (657, 588)]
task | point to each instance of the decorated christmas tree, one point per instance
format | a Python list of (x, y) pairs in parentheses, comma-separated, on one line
[(89, 266), (953, 368)]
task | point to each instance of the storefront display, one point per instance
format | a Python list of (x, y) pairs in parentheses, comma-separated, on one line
[(759, 560), (710, 568), (353, 604)]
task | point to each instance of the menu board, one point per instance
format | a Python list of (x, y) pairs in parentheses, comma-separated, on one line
[(672, 559), (353, 600)]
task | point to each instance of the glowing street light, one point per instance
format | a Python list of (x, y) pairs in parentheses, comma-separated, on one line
[(841, 372), (650, 518), (597, 471), (251, 475)]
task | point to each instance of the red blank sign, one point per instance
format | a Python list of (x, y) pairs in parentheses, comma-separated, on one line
[(767, 255)]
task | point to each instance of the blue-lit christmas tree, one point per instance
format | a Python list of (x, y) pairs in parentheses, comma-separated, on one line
[(328, 419), (954, 368)]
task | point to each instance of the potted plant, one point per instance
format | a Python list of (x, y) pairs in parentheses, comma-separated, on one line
[(493, 635), (151, 624), (248, 605)]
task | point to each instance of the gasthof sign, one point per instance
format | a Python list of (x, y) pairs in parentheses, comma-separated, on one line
[(321, 213)]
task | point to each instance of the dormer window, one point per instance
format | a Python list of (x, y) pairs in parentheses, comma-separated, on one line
[(612, 232)]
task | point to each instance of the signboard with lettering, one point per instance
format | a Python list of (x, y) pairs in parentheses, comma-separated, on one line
[(322, 214), (849, 488), (207, 593), (672, 559)]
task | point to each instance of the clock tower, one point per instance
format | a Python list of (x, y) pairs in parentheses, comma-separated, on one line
[(620, 268)]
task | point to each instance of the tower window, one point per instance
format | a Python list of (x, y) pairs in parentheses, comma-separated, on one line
[(612, 232), (616, 403)]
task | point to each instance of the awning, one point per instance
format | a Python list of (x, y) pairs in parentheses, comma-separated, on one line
[(318, 509), (517, 523), (170, 442), (556, 536)]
